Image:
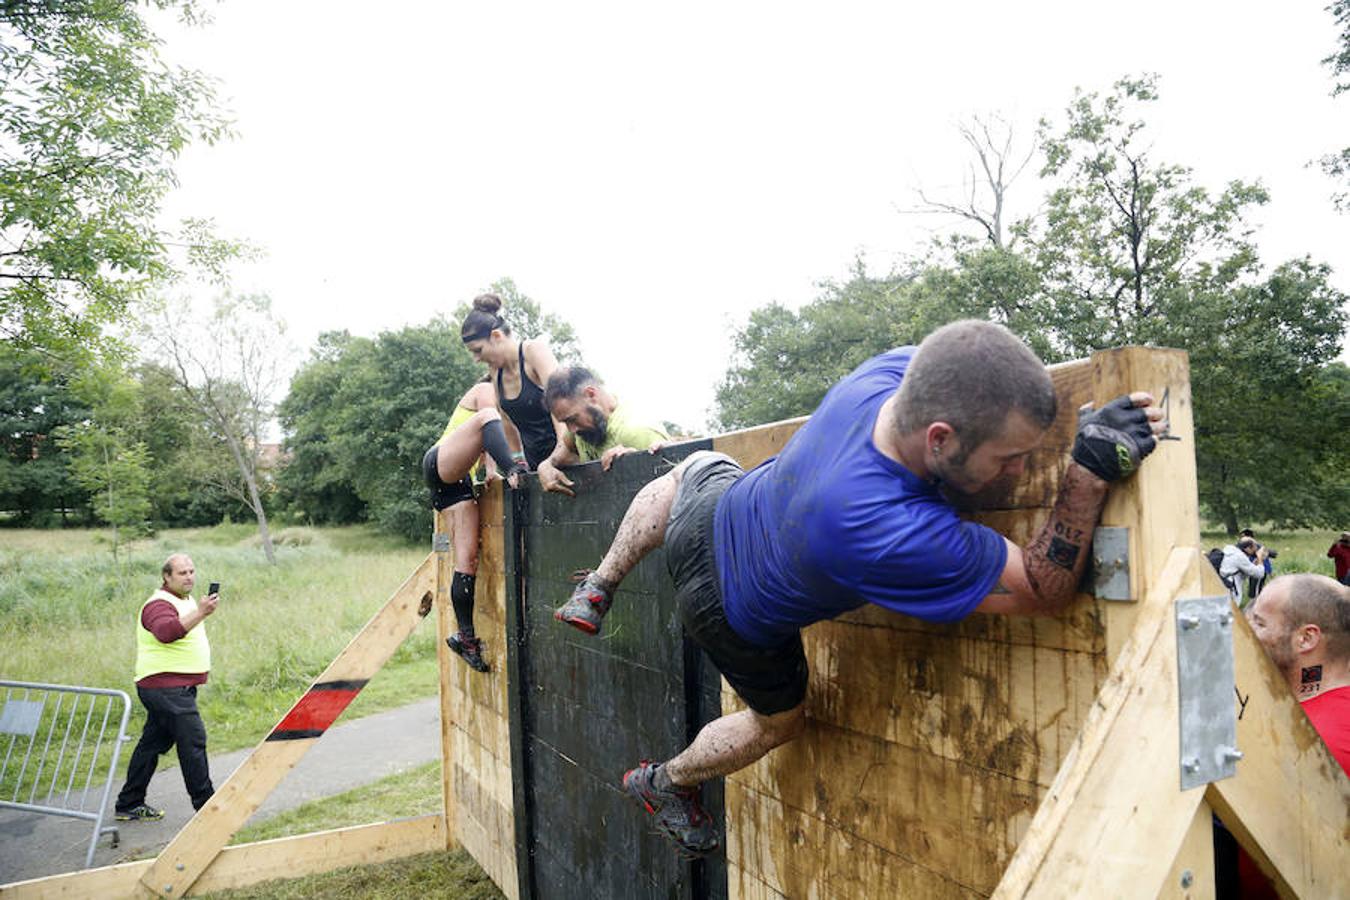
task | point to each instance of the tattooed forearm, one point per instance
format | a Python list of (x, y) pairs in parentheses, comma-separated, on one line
[(1055, 559)]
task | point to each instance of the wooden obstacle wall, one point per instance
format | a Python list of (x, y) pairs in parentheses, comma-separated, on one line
[(1003, 756)]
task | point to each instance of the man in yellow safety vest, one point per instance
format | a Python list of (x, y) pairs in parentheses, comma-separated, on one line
[(173, 656)]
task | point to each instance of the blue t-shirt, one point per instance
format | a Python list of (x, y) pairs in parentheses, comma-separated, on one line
[(831, 523)]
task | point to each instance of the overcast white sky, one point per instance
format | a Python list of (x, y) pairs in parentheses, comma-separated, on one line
[(653, 173)]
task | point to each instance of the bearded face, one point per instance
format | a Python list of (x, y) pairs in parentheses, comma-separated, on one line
[(597, 430)]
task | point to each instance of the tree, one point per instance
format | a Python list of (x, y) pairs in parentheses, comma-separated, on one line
[(227, 365), (996, 165), (1337, 165), (36, 401), (314, 483), (106, 459), (1132, 251), (785, 362), (92, 121), (1122, 234)]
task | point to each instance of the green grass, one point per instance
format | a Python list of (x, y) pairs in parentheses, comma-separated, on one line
[(68, 613), (412, 793), (415, 792), (1300, 551), (426, 876)]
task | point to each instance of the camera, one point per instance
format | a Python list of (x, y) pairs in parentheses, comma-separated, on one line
[(1272, 553)]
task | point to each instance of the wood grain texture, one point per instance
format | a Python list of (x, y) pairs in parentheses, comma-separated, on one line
[(474, 710)]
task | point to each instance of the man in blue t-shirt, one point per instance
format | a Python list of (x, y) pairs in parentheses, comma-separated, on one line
[(856, 509)]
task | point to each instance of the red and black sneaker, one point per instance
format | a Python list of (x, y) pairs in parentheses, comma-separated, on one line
[(471, 648), (677, 811), (587, 606)]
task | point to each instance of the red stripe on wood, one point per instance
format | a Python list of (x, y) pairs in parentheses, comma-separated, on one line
[(316, 710)]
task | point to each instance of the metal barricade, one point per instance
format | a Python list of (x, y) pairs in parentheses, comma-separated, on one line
[(60, 740)]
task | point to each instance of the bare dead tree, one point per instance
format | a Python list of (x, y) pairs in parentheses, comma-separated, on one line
[(229, 366), (997, 163)]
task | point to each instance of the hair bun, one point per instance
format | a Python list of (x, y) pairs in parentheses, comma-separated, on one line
[(488, 303)]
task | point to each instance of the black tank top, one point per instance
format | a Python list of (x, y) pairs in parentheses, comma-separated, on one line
[(527, 413)]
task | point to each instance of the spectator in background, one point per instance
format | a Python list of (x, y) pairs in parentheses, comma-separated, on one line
[(173, 656), (1340, 554), (1242, 561), (598, 427), (1254, 585)]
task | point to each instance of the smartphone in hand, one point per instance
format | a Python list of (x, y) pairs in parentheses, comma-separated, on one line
[(213, 589)]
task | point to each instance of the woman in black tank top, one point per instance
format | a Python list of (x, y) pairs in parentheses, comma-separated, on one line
[(529, 363)]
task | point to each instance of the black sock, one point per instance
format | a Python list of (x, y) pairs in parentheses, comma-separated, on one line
[(461, 598), (494, 442)]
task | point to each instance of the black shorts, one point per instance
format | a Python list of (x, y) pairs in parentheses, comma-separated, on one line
[(443, 495), (769, 679)]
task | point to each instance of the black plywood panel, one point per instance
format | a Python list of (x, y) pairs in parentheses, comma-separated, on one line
[(585, 709)]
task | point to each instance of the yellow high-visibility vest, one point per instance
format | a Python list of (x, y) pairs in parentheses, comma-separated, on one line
[(189, 654)]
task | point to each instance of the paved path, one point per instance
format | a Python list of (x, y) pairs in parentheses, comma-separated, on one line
[(347, 756)]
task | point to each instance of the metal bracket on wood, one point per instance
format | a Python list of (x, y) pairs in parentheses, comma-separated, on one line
[(1111, 564), (1208, 717), (440, 542)]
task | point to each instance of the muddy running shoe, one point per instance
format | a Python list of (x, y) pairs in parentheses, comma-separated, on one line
[(142, 813), (471, 648), (677, 811), (587, 606)]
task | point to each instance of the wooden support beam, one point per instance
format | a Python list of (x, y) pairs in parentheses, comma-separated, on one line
[(247, 864), (1158, 505), (187, 856), (1289, 804), (1115, 814), (1192, 873)]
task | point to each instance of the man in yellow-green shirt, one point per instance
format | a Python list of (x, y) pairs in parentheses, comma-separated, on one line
[(173, 656), (598, 426)]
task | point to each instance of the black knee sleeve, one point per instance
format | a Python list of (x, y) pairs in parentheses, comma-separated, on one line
[(494, 442), (461, 598)]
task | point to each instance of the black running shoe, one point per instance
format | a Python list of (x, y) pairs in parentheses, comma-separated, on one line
[(587, 606), (677, 811), (144, 812), (471, 648)]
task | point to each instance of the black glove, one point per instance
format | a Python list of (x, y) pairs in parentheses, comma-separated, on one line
[(1113, 440)]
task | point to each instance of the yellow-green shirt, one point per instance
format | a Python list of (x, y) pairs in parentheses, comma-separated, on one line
[(623, 431), (458, 418)]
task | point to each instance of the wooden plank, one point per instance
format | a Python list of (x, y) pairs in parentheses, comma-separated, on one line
[(1159, 504), (952, 696), (475, 710), (1289, 804), (248, 864), (443, 536), (751, 446), (182, 862), (1192, 874), (486, 820), (958, 821), (776, 850), (1115, 814)]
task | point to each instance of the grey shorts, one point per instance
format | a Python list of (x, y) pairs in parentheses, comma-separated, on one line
[(769, 679)]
